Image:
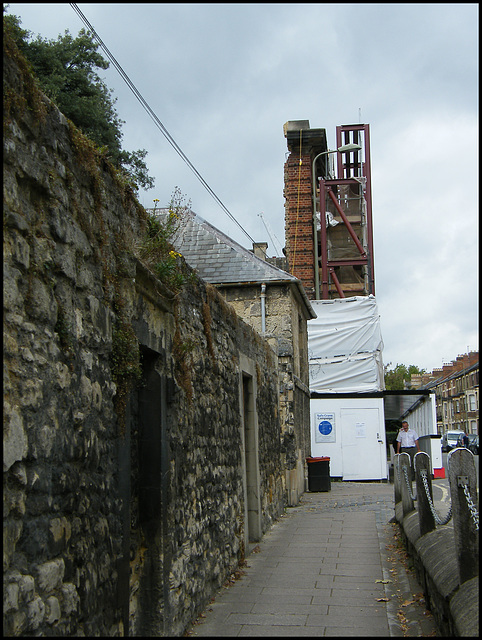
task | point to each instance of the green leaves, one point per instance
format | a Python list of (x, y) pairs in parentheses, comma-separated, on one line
[(396, 377), (133, 163), (157, 250), (67, 71)]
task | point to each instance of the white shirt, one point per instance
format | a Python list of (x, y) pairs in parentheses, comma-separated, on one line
[(407, 438)]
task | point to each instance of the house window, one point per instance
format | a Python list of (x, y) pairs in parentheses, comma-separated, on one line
[(471, 403)]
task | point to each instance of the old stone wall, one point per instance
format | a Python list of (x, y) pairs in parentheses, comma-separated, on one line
[(142, 447), (194, 530), (286, 331), (454, 605)]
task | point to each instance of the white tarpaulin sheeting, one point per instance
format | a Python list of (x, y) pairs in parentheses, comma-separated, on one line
[(345, 346)]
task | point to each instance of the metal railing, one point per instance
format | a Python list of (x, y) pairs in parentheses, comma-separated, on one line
[(463, 509)]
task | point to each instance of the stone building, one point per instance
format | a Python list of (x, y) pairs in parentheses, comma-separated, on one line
[(275, 303), (142, 443)]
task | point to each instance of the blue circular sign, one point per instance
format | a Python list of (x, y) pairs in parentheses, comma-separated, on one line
[(325, 428)]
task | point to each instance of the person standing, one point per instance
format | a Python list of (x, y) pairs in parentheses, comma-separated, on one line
[(407, 442)]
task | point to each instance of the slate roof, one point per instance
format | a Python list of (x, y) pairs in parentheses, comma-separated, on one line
[(220, 260)]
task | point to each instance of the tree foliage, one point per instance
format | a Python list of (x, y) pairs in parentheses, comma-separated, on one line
[(67, 70), (395, 378)]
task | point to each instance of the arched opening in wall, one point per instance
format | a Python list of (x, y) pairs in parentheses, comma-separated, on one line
[(251, 475)]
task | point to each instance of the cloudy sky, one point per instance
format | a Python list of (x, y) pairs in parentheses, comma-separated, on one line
[(224, 78)]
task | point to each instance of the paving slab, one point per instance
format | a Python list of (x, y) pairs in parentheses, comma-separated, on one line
[(325, 569)]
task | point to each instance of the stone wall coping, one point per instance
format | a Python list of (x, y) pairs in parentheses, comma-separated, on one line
[(464, 607), (435, 554), (442, 567)]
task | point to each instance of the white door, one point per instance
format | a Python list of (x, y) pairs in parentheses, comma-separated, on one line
[(363, 444)]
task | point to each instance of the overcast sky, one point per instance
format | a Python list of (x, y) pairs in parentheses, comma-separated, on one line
[(224, 78)]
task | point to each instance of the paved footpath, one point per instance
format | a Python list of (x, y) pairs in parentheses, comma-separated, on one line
[(331, 566)]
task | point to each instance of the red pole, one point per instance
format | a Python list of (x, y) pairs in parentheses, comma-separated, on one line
[(347, 223)]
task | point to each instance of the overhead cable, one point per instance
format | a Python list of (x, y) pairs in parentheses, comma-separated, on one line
[(154, 117)]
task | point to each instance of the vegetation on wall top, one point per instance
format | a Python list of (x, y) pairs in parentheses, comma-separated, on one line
[(115, 247), (156, 249), (67, 71)]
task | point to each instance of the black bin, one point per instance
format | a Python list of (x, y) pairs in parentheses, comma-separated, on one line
[(319, 474)]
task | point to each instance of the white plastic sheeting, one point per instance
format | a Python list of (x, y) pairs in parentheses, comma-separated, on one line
[(330, 220), (345, 346)]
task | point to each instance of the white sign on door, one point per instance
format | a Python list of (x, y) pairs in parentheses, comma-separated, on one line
[(360, 430), (325, 427)]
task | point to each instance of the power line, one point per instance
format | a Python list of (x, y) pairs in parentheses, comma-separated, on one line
[(154, 117)]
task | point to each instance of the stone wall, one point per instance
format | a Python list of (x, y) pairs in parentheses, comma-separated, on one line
[(444, 549), (454, 606), (195, 528), (142, 447), (286, 330)]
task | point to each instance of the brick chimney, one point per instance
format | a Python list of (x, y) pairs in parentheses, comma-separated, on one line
[(304, 144), (461, 362), (473, 357), (466, 360), (447, 369)]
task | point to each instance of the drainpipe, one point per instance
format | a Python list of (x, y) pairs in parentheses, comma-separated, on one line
[(263, 309)]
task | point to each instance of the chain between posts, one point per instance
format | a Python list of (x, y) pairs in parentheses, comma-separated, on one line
[(438, 519), (413, 496), (470, 504)]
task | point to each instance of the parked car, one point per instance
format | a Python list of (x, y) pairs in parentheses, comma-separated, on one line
[(449, 440), (474, 443)]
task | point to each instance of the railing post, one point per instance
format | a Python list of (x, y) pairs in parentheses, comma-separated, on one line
[(423, 469), (463, 492), (396, 478), (407, 502)]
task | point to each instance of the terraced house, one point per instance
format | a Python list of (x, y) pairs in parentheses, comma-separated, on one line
[(456, 387)]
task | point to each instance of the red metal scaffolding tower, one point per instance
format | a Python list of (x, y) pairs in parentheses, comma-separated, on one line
[(345, 262)]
